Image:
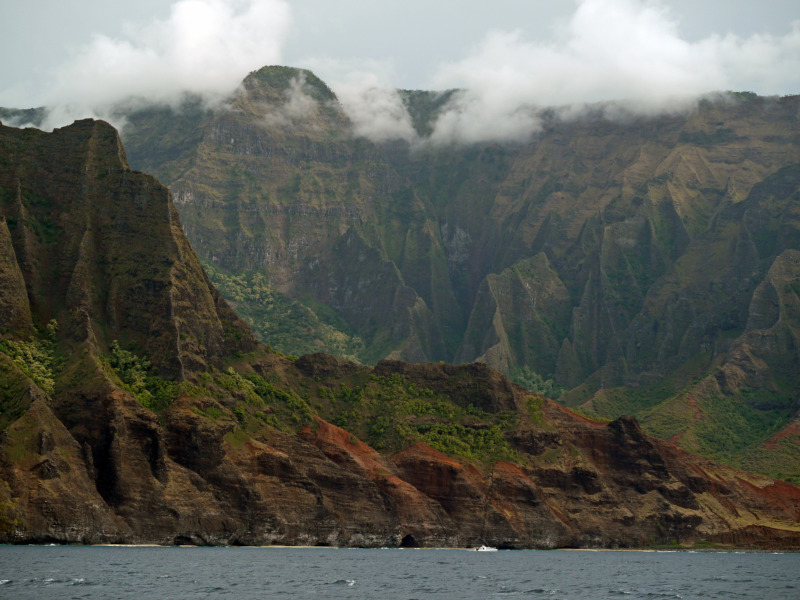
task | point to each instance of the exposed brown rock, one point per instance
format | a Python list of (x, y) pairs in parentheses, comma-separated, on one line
[(89, 464)]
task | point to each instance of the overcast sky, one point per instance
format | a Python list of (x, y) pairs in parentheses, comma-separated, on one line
[(511, 53)]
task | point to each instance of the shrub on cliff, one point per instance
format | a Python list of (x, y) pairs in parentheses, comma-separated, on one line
[(36, 357), (150, 391)]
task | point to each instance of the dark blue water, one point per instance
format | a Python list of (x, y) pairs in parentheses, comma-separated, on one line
[(242, 573)]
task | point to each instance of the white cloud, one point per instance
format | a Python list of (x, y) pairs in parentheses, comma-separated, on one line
[(297, 109), (375, 109), (766, 64), (203, 46), (476, 115), (627, 51)]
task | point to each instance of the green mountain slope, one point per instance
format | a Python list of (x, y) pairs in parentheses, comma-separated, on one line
[(602, 255), (136, 407), (277, 185)]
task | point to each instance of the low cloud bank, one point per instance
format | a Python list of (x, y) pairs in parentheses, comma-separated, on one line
[(298, 109), (625, 52), (628, 53), (203, 47), (377, 112)]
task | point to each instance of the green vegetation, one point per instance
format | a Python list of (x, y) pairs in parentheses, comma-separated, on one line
[(472, 443), (37, 357), (285, 324), (730, 425), (14, 397), (530, 379), (137, 377), (251, 400), (615, 402), (645, 274), (390, 413), (781, 460), (534, 407), (730, 429), (286, 410), (725, 428)]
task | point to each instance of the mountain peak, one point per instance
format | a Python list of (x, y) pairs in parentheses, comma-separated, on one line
[(278, 79)]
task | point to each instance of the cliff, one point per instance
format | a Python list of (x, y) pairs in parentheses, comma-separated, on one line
[(137, 408), (623, 260)]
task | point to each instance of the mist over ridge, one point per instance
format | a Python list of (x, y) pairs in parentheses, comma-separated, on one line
[(629, 53)]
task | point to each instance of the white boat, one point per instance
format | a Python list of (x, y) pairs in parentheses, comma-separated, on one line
[(484, 548)]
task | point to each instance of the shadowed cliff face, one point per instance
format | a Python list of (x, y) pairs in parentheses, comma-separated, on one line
[(229, 443), (99, 248), (617, 260)]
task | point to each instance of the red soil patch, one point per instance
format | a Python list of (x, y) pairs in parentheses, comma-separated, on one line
[(792, 429), (692, 402), (577, 416), (420, 450), (333, 440), (503, 467), (777, 495)]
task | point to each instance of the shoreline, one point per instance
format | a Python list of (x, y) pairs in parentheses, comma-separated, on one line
[(728, 550)]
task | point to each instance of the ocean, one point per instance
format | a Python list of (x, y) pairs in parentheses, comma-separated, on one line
[(65, 572)]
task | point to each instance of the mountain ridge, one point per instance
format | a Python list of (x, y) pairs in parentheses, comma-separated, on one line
[(239, 446), (657, 233), (404, 249)]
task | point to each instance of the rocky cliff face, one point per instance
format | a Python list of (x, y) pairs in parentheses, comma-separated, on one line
[(618, 259), (277, 185), (137, 408), (99, 248)]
